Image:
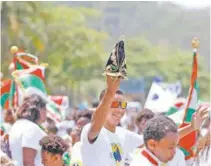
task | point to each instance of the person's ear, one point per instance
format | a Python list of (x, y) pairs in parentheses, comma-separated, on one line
[(151, 144)]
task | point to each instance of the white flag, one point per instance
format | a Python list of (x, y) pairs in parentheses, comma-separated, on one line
[(173, 87), (159, 100)]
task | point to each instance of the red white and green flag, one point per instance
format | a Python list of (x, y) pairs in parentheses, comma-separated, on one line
[(20, 64), (8, 94), (187, 143), (177, 106), (23, 60), (54, 112), (5, 93), (31, 80), (13, 101), (62, 101)]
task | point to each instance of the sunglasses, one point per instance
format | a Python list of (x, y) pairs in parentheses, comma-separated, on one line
[(117, 104)]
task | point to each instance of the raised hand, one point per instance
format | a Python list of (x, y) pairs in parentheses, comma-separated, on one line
[(112, 84), (199, 117)]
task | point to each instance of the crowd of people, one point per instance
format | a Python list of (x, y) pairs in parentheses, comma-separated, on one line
[(99, 136)]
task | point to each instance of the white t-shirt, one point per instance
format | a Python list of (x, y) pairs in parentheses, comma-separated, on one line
[(63, 126), (76, 158), (139, 159), (178, 160), (25, 133), (109, 149)]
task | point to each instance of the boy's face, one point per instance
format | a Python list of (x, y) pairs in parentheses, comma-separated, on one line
[(116, 114), (164, 149), (49, 159)]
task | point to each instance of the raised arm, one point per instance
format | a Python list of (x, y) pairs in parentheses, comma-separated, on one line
[(101, 113), (198, 118)]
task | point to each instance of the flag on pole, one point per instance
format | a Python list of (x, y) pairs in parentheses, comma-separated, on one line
[(21, 58), (7, 94), (20, 63), (188, 142), (31, 80)]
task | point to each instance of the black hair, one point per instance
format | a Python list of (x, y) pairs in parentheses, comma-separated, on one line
[(30, 107), (52, 129), (54, 144), (158, 127), (145, 114), (119, 92), (85, 114), (95, 104)]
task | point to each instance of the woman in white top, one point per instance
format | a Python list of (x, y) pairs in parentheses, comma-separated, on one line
[(25, 134)]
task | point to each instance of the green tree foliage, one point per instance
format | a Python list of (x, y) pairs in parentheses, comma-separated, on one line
[(146, 60), (58, 35), (158, 22), (71, 39)]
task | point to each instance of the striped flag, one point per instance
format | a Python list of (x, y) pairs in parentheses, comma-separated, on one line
[(21, 64), (31, 80), (62, 101), (177, 106), (5, 93), (54, 112), (13, 95), (188, 142), (23, 60)]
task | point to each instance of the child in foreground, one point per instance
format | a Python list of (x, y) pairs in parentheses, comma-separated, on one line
[(53, 148)]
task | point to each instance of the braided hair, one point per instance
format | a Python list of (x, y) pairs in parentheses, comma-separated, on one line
[(54, 144)]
